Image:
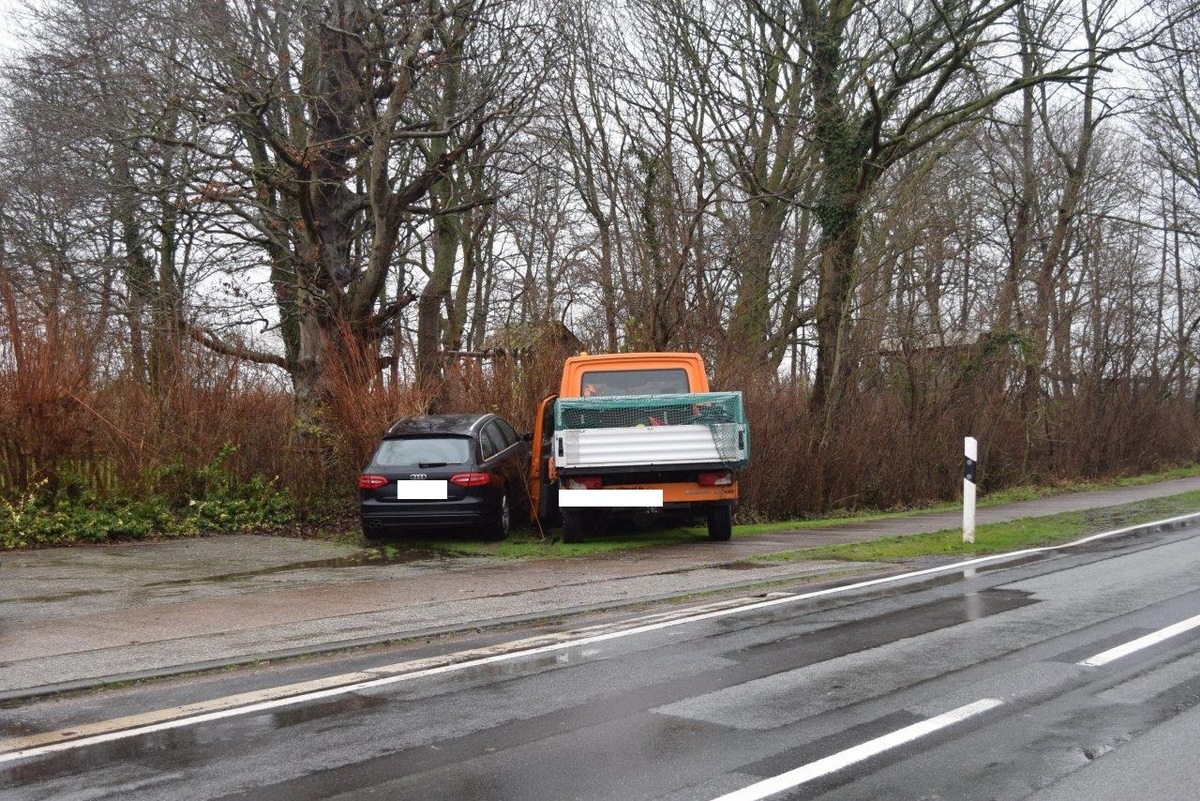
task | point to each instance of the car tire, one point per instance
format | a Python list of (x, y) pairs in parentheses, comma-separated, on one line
[(573, 525), (501, 524), (375, 533), (720, 523)]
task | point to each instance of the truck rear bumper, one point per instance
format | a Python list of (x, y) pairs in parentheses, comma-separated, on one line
[(647, 497), (610, 498)]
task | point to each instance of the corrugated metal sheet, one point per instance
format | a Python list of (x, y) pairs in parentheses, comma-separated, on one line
[(626, 447)]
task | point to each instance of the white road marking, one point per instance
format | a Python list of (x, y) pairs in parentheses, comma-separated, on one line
[(317, 688), (122, 728), (859, 753), (1113, 654)]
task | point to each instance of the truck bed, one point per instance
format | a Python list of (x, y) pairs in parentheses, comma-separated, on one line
[(696, 431)]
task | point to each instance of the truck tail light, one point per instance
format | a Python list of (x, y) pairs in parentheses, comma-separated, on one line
[(470, 479), (585, 482), (367, 481), (715, 479)]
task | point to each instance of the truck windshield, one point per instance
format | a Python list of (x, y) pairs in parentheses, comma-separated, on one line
[(665, 381)]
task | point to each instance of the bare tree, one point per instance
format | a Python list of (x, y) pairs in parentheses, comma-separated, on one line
[(586, 122), (853, 87), (1172, 126), (350, 119), (630, 141), (103, 98), (752, 104)]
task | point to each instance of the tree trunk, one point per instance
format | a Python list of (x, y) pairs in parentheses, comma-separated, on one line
[(750, 323), (435, 297)]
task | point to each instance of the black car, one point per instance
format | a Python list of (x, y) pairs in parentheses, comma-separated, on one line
[(445, 471)]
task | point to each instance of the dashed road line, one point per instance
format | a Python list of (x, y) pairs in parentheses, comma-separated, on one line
[(272, 698), (859, 753), (1154, 638)]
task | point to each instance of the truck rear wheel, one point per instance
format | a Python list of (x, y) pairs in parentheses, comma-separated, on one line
[(573, 525), (720, 523)]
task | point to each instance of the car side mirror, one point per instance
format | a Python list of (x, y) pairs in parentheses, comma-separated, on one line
[(527, 436)]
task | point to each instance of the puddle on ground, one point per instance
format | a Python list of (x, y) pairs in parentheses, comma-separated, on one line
[(370, 557), (1106, 519), (49, 599), (1004, 564)]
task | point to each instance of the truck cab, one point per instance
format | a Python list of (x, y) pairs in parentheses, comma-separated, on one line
[(633, 374), (637, 431)]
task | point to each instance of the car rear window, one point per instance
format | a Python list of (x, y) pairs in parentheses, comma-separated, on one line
[(415, 451), (666, 381)]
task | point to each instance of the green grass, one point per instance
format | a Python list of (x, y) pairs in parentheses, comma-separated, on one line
[(1001, 537), (1010, 495), (527, 543)]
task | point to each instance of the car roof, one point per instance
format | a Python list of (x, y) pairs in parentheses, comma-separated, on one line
[(454, 424)]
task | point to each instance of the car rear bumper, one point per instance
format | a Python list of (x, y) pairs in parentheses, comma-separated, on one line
[(415, 515)]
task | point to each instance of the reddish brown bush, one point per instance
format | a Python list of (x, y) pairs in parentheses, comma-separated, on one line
[(70, 416)]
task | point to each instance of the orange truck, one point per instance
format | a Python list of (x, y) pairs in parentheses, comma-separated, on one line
[(637, 431)]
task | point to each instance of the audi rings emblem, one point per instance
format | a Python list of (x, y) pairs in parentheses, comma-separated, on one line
[(417, 476)]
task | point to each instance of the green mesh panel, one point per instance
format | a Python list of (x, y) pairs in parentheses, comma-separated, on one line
[(721, 412)]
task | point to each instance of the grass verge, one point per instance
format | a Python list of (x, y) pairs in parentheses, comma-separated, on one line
[(1001, 537), (526, 543), (531, 543), (1011, 495), (993, 538)]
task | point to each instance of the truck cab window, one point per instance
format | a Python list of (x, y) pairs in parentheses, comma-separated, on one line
[(666, 381)]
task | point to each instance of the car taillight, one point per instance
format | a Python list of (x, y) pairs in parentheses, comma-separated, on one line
[(470, 479), (371, 482), (585, 482), (714, 479)]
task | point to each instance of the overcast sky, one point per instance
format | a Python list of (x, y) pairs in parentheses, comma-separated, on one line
[(8, 25)]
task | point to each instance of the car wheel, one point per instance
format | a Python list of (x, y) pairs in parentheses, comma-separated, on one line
[(374, 533), (500, 525), (720, 523)]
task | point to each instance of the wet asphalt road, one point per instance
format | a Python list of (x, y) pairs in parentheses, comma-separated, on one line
[(73, 618), (696, 709)]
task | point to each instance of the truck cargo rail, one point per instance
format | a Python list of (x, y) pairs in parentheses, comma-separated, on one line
[(652, 430)]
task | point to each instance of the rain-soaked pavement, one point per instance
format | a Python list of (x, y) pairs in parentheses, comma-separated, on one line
[(85, 616), (951, 683)]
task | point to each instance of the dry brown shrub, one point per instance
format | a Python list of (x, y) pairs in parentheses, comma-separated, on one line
[(360, 404), (69, 415), (778, 482), (73, 419), (47, 369), (511, 386)]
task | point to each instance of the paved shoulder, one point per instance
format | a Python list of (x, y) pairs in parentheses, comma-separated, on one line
[(89, 614)]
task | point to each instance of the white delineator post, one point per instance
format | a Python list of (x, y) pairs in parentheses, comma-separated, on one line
[(970, 455)]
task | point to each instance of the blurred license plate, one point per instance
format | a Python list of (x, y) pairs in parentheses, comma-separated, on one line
[(421, 490)]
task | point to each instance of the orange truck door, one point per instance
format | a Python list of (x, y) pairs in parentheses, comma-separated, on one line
[(543, 485)]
